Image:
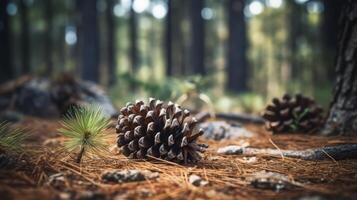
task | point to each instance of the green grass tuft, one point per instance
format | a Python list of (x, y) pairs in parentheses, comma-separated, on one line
[(83, 127)]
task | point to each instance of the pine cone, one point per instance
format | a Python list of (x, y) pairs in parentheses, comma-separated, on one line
[(158, 130), (293, 114)]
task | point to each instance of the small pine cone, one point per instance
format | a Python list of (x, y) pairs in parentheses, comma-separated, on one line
[(292, 114), (158, 130)]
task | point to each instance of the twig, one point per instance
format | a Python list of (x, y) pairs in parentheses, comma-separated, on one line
[(239, 117), (276, 146), (339, 152), (165, 161), (329, 156)]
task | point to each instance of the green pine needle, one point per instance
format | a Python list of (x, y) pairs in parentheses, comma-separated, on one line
[(83, 127), (11, 139)]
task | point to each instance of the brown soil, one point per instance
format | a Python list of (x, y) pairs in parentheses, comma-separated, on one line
[(228, 176)]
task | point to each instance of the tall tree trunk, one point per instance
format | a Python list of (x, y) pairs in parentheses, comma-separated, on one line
[(178, 43), (342, 117), (237, 76), (89, 40), (111, 40), (169, 68), (198, 37), (25, 39), (7, 71), (329, 31), (133, 33), (294, 24), (48, 13)]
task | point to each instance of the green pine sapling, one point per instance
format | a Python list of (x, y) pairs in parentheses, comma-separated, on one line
[(83, 127), (11, 139)]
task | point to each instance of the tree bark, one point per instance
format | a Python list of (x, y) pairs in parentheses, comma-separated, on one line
[(198, 37), (237, 73), (25, 38), (342, 117), (168, 33), (111, 43), (7, 72), (133, 25), (48, 13), (89, 40)]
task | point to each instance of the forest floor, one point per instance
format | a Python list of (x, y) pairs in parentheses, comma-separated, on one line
[(228, 176)]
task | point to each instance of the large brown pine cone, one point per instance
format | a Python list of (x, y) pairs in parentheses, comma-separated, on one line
[(293, 114), (158, 130)]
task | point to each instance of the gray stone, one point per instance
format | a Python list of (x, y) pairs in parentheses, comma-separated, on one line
[(43, 98), (128, 176), (270, 180)]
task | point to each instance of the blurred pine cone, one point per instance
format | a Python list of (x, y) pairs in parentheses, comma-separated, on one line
[(158, 130), (293, 114)]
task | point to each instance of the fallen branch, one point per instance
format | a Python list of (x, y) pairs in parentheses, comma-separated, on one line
[(239, 117), (339, 152)]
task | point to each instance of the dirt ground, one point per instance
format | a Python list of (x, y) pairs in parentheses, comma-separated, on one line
[(229, 177)]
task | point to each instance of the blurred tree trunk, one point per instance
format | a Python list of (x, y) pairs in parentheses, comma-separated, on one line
[(111, 42), (295, 29), (7, 71), (329, 31), (48, 13), (168, 33), (198, 38), (179, 42), (60, 43), (237, 76), (89, 40), (25, 38), (342, 117), (133, 25)]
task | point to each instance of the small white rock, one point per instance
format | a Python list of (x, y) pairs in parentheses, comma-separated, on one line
[(197, 181)]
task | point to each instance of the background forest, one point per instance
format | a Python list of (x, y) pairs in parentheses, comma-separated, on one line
[(238, 53)]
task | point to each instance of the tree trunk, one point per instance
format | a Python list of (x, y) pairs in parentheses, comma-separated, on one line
[(179, 47), (329, 32), (7, 71), (342, 117), (25, 39), (133, 25), (169, 71), (198, 37), (89, 40), (237, 75), (111, 43), (295, 30), (48, 13)]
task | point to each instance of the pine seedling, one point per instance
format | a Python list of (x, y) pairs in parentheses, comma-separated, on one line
[(83, 128), (11, 139)]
